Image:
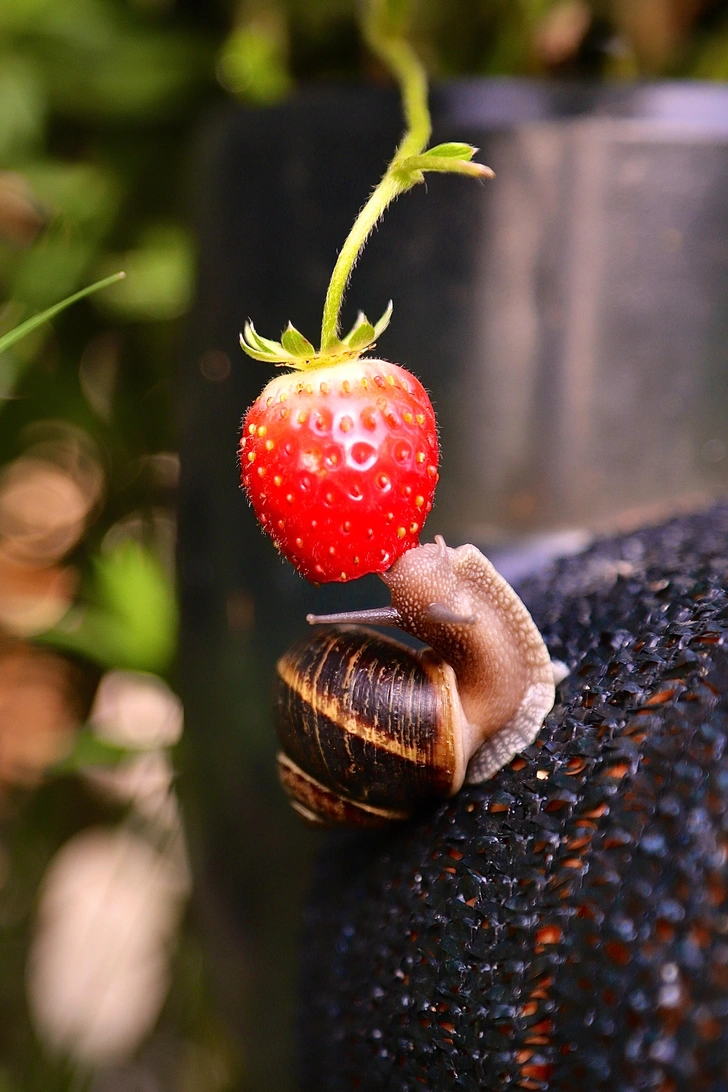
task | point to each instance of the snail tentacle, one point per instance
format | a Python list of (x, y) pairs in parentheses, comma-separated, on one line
[(374, 616)]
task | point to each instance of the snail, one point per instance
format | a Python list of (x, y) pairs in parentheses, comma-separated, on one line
[(372, 730)]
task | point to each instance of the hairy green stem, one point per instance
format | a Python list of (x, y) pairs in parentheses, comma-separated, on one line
[(387, 190), (402, 60), (409, 163), (412, 78)]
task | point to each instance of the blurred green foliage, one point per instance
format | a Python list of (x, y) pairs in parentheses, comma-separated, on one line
[(254, 63), (129, 616), (277, 41), (100, 101)]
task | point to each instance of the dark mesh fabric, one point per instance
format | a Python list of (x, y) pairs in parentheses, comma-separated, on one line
[(564, 926)]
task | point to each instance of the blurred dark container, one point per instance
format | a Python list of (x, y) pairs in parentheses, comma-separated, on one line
[(570, 320)]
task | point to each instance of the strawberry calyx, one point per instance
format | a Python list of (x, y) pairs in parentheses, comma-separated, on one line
[(296, 351)]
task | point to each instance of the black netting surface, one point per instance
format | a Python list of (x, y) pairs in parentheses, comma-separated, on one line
[(564, 926)]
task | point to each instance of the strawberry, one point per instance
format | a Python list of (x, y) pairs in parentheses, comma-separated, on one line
[(339, 460)]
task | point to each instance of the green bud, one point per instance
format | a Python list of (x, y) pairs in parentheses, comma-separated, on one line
[(453, 150)]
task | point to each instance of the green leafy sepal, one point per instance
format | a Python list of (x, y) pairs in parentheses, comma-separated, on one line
[(296, 351)]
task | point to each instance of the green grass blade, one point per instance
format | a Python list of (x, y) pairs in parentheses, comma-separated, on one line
[(37, 320)]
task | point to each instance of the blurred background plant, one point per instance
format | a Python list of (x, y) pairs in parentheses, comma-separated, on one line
[(100, 103)]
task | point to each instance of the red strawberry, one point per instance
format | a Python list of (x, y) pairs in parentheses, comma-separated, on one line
[(340, 465)]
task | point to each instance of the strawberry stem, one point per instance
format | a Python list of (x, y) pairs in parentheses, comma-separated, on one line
[(385, 33), (403, 62), (388, 189), (406, 168)]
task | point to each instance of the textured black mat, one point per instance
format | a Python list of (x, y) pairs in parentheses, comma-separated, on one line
[(564, 926)]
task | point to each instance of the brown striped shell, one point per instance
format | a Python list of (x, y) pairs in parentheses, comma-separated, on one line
[(371, 731), (367, 727)]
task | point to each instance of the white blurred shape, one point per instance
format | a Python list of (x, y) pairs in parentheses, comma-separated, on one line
[(97, 971), (134, 709), (144, 781)]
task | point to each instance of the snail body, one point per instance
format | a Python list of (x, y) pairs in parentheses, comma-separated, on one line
[(372, 730)]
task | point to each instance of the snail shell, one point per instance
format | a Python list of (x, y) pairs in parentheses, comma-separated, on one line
[(372, 724), (372, 731)]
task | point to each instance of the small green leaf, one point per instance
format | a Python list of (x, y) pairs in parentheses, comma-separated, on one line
[(262, 348), (361, 336), (257, 354), (89, 750), (453, 150), (383, 323), (37, 320), (257, 340), (296, 344)]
